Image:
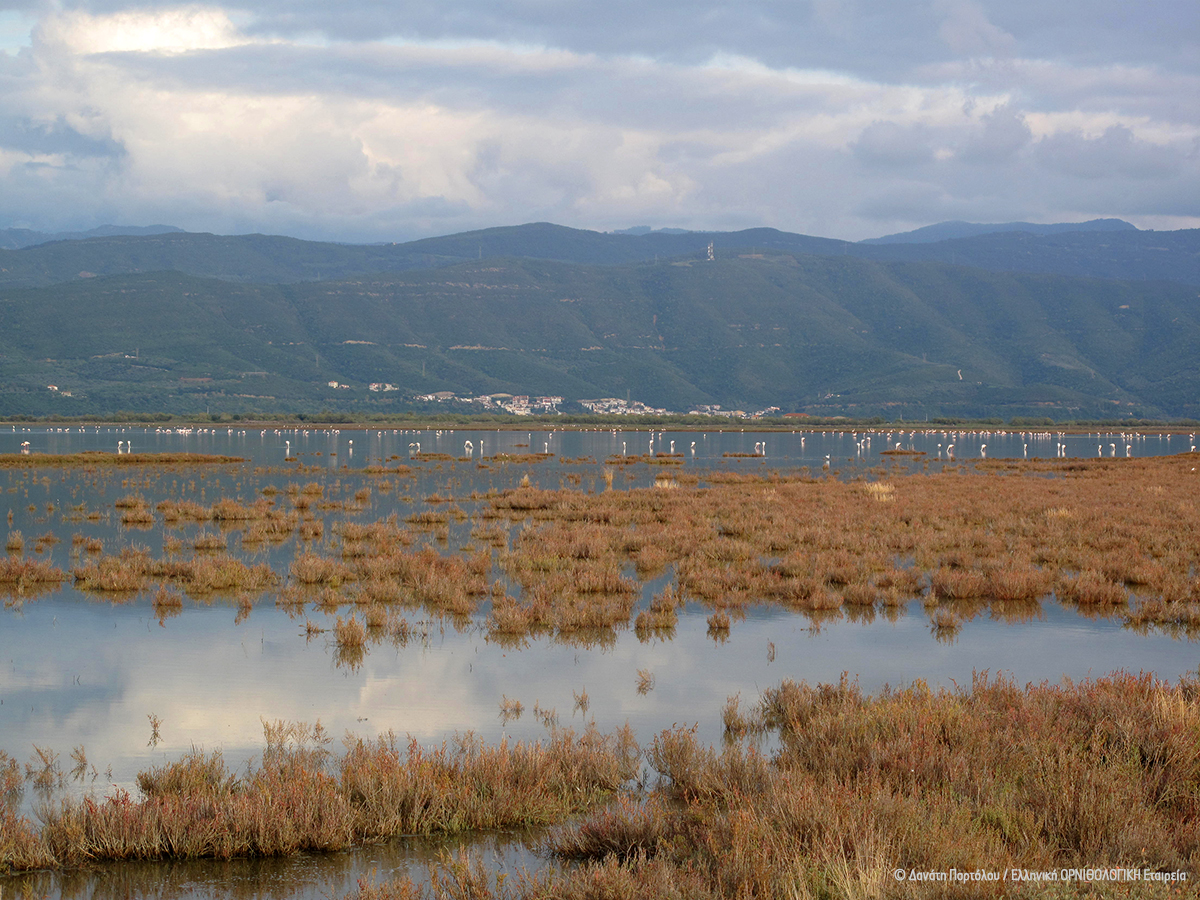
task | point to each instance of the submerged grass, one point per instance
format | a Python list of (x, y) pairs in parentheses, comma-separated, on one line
[(102, 459), (1110, 537)]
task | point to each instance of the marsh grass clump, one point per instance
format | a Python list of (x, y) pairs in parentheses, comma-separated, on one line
[(718, 625), (44, 541), (132, 569), (1173, 616), (990, 777), (350, 632), (958, 583), (1092, 588), (135, 511), (15, 543), (11, 780), (43, 769), (945, 623), (22, 576), (737, 724), (300, 798), (406, 789), (662, 615), (209, 541), (165, 599), (510, 708), (628, 831)]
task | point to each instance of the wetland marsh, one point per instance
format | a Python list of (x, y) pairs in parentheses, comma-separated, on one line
[(549, 589)]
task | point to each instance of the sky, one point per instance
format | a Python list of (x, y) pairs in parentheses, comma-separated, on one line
[(388, 121)]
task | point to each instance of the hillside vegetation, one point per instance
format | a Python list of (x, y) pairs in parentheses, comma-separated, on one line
[(756, 327), (1129, 255)]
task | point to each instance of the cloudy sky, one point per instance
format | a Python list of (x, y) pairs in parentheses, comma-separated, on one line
[(375, 120)]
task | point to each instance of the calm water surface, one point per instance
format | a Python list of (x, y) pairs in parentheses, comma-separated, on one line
[(77, 671)]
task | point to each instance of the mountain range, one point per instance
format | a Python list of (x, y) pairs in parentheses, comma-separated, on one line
[(1098, 323)]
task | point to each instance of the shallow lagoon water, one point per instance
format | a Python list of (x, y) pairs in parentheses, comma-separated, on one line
[(781, 449), (78, 671)]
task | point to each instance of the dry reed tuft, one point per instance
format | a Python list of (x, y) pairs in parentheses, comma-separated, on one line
[(1091, 588), (718, 623), (299, 799), (510, 709), (350, 632)]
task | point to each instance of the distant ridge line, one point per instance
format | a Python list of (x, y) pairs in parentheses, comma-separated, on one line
[(946, 231)]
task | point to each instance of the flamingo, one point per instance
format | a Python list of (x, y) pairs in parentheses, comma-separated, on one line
[(468, 448), (983, 451)]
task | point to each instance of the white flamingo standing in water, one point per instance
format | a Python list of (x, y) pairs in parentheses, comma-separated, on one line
[(287, 448), (983, 451), (468, 448)]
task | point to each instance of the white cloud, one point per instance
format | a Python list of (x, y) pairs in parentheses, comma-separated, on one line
[(280, 119), (968, 32), (157, 31)]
